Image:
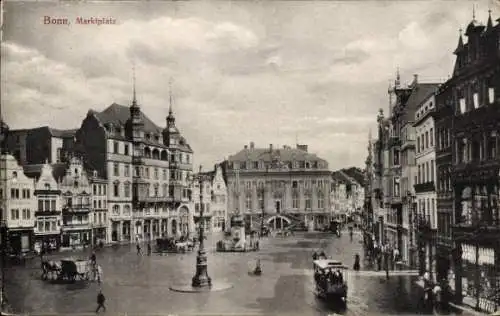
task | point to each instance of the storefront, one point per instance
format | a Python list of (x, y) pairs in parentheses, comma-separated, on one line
[(479, 280), (20, 240), (75, 237)]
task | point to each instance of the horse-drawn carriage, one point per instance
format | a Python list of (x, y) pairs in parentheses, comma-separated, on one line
[(70, 270), (172, 245)]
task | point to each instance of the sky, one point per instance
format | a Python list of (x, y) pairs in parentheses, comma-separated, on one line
[(270, 72)]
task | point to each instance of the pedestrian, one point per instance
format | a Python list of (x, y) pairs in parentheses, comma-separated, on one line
[(93, 258), (149, 249), (100, 302), (315, 256), (356, 263), (138, 246)]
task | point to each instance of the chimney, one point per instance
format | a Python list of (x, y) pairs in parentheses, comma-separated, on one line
[(252, 145), (270, 147), (246, 147)]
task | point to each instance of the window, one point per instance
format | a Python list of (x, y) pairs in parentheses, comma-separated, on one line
[(462, 105), (126, 188), (156, 174), (116, 169), (419, 175), (475, 98), (396, 157), (126, 150), (295, 200), (164, 174), (126, 171), (431, 135), (14, 193), (418, 144), (492, 146), (116, 148), (427, 178), (295, 184), (491, 95), (137, 172), (308, 201), (146, 172), (156, 190), (248, 203), (432, 170), (14, 214), (321, 201), (116, 209), (94, 187), (116, 189), (426, 139), (396, 186)]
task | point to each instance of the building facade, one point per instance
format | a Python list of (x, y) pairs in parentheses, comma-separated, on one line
[(279, 187), (99, 219), (18, 206), (40, 145), (219, 201), (48, 215), (76, 211), (425, 185), (146, 167), (475, 92)]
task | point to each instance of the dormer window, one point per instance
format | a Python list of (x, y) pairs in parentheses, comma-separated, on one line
[(46, 186), (14, 174), (148, 136), (118, 130), (157, 138), (76, 184)]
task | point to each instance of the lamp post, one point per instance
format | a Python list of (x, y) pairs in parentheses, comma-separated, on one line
[(201, 278), (411, 220), (263, 191)]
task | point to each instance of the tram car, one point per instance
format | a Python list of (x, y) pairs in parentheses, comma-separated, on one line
[(330, 279)]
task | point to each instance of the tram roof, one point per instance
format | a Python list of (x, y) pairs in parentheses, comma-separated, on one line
[(328, 264)]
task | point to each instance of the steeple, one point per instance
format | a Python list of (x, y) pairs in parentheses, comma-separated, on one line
[(460, 45), (489, 25), (397, 83), (134, 97), (170, 117)]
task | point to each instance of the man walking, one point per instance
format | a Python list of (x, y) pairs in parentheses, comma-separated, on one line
[(138, 246), (100, 302)]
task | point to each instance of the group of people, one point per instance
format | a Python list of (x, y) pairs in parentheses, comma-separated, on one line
[(100, 296), (382, 256), (329, 277)]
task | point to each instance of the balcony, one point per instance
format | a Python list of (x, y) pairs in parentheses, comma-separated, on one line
[(425, 187), (154, 199), (75, 225), (424, 223), (137, 160), (77, 208), (47, 213)]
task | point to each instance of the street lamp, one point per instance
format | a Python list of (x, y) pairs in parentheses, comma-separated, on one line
[(411, 220), (201, 278), (262, 191)]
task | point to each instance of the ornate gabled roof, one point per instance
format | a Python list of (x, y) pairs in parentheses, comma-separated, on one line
[(119, 115), (268, 155), (356, 174), (420, 92), (34, 171), (340, 177), (473, 26)]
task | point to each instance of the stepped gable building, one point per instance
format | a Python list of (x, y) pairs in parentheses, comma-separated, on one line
[(48, 214), (214, 200), (146, 167), (40, 145), (279, 186), (475, 98)]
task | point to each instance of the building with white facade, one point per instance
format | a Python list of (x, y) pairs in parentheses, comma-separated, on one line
[(17, 205), (214, 200), (99, 215), (76, 212), (278, 186), (426, 197)]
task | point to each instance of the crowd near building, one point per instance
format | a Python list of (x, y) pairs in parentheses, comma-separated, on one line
[(433, 172)]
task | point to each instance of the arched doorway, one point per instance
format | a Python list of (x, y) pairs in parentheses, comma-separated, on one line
[(278, 222), (184, 220)]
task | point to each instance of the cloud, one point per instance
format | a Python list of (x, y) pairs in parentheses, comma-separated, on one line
[(248, 71)]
